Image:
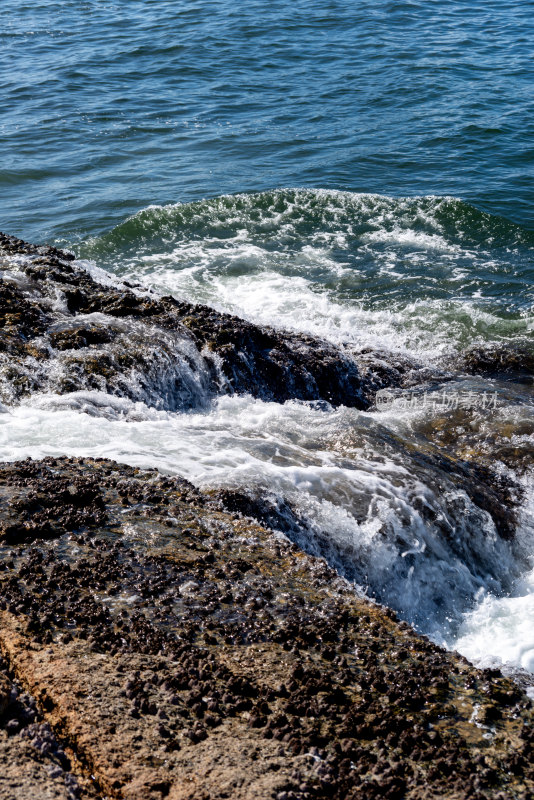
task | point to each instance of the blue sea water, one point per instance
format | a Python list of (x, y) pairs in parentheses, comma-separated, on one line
[(360, 171), (107, 107)]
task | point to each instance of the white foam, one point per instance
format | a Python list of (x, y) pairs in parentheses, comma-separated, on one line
[(360, 502), (358, 268), (98, 404), (406, 237), (427, 328), (500, 630)]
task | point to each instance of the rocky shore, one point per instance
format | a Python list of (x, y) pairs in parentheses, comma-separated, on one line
[(156, 645), (162, 642)]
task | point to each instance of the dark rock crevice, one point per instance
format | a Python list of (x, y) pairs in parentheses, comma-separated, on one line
[(35, 762)]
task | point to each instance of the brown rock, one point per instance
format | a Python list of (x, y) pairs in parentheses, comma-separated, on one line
[(96, 629), (5, 693)]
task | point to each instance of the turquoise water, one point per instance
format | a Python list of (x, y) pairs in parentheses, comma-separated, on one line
[(107, 107)]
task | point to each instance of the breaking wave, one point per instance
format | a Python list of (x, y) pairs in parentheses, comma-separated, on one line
[(398, 500), (425, 275)]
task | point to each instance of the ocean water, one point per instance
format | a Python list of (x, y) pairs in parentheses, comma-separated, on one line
[(363, 172)]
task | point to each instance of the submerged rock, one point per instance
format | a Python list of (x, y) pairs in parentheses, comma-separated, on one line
[(183, 652)]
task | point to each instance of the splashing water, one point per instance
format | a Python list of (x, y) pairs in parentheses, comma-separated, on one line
[(379, 493)]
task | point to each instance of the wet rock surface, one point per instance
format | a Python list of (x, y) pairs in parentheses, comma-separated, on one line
[(503, 362), (63, 331), (171, 648), (58, 505)]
